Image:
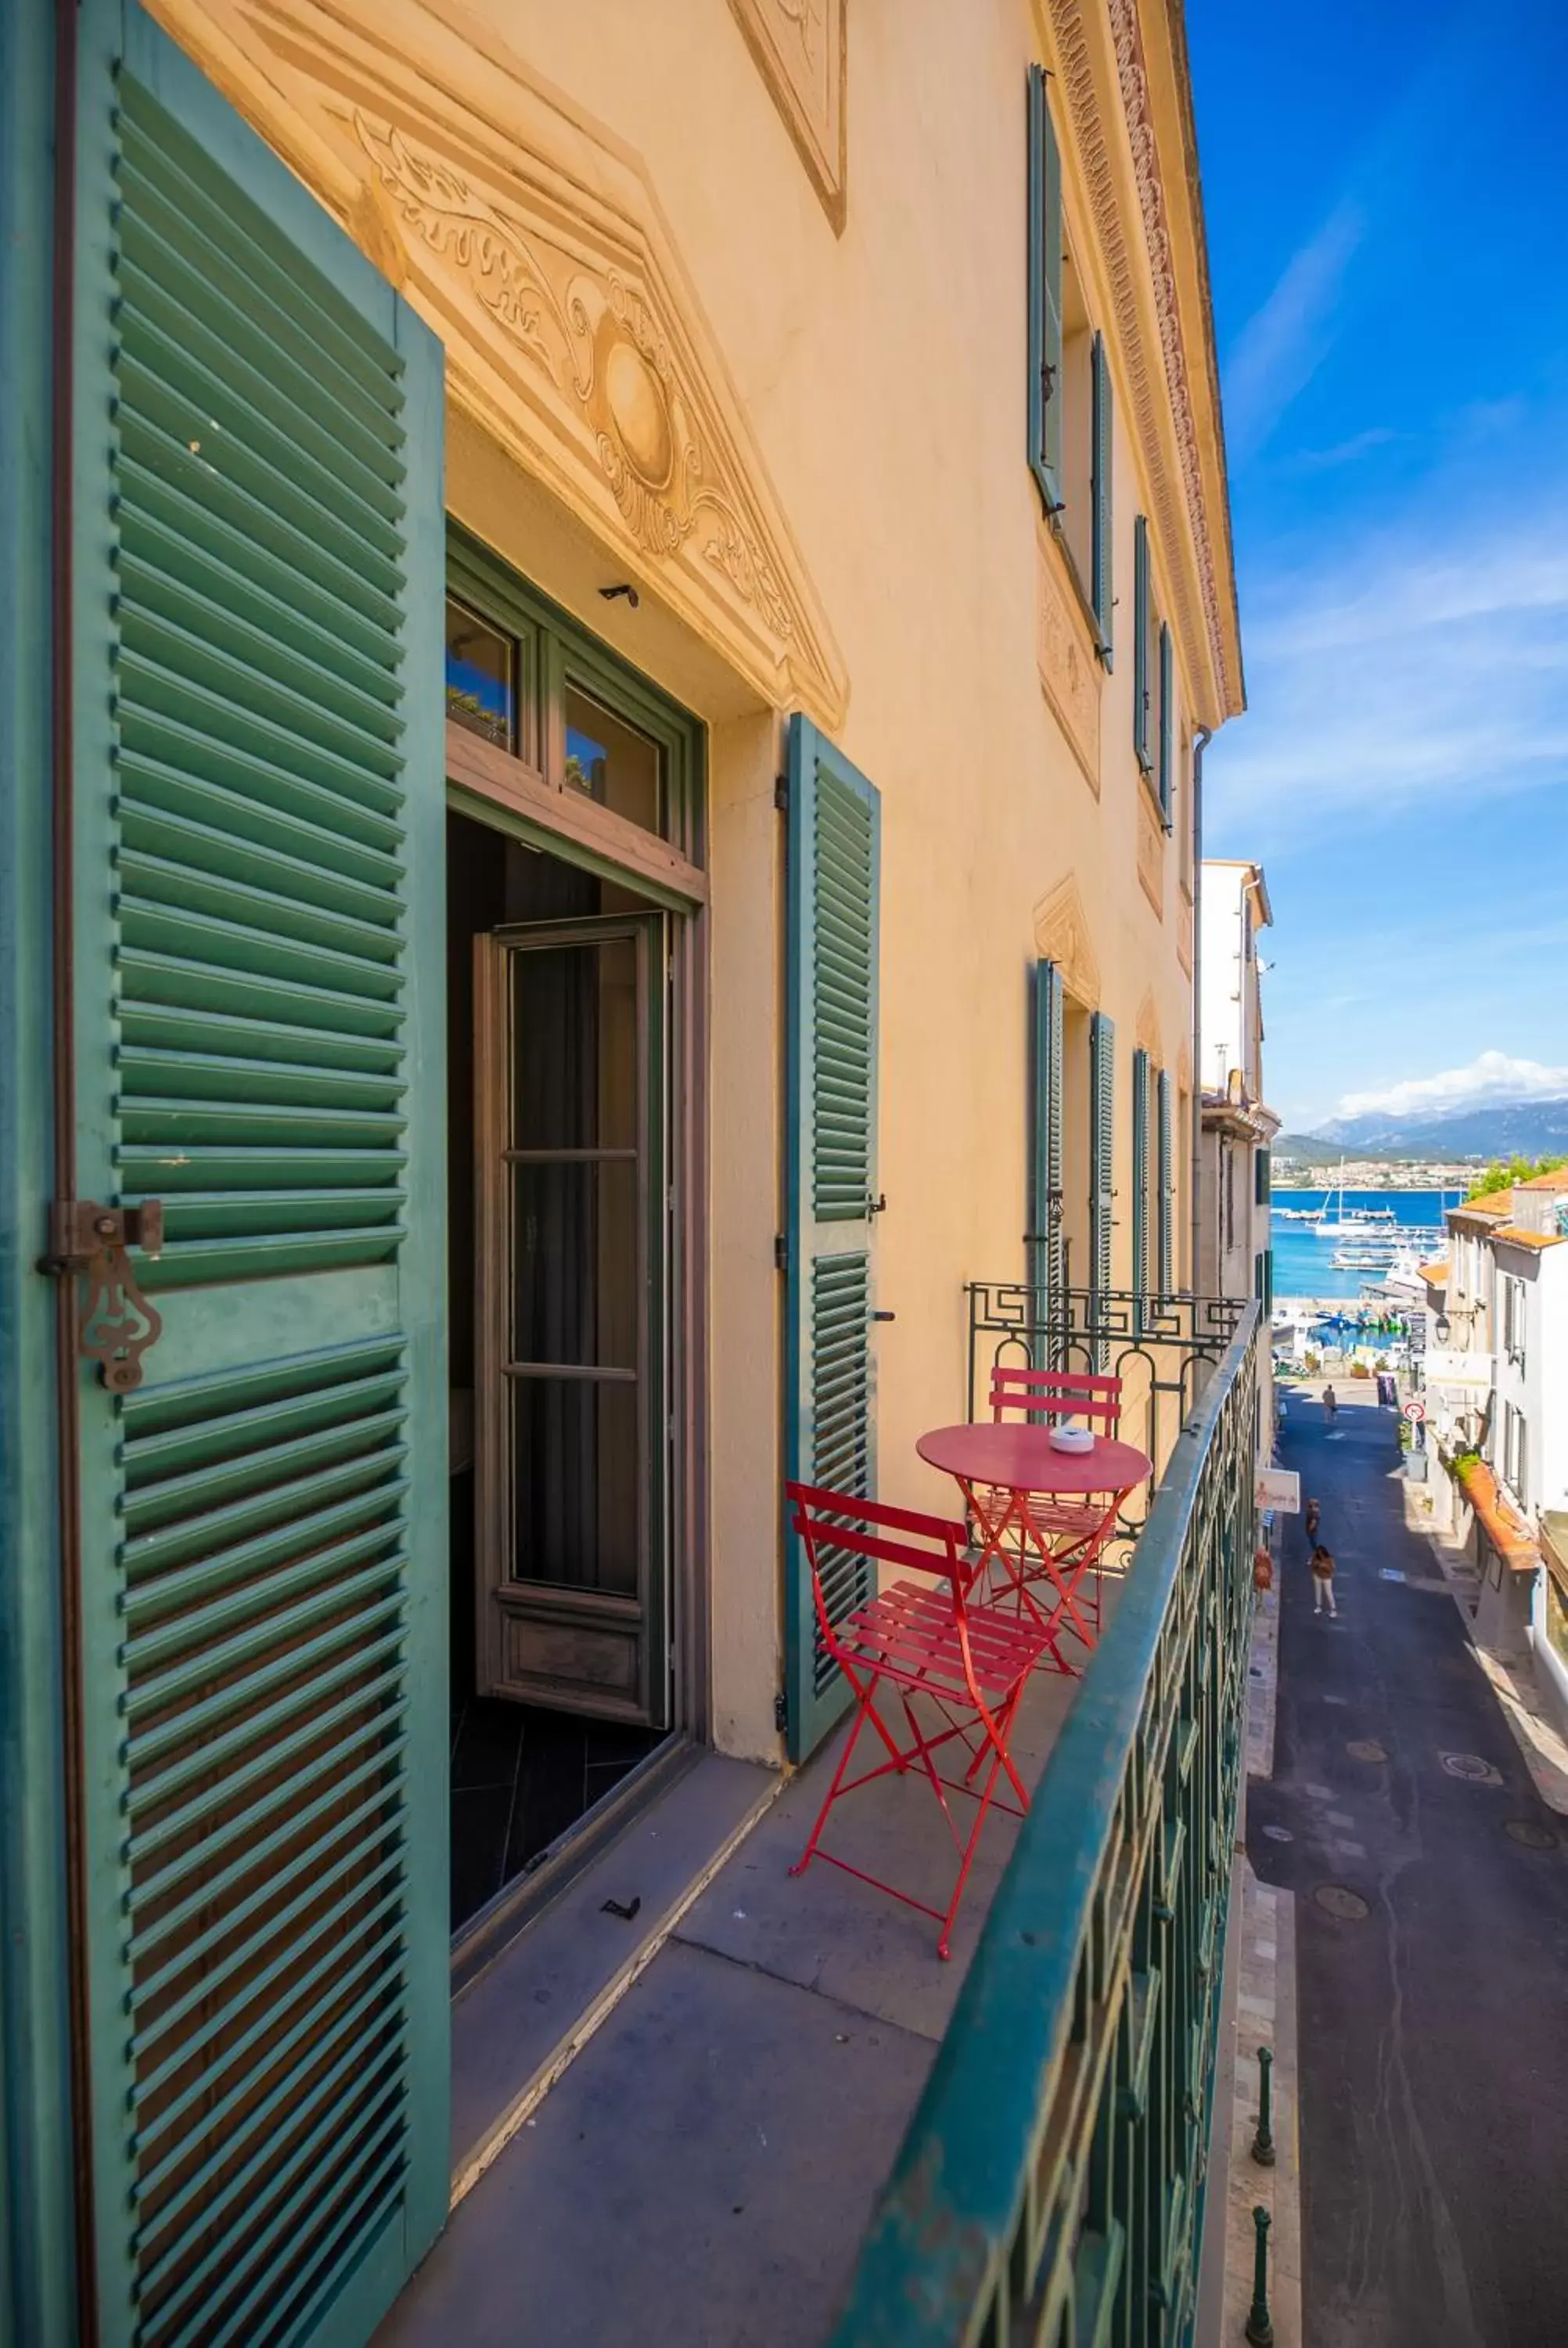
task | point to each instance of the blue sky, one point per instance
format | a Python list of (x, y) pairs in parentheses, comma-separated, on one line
[(1387, 197)]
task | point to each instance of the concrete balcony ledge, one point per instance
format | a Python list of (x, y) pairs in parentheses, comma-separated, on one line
[(703, 2172)]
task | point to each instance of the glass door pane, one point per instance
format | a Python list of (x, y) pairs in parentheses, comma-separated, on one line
[(571, 1291)]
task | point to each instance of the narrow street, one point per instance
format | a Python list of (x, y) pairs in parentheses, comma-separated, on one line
[(1431, 1888)]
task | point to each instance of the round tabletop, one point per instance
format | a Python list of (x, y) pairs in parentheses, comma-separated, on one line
[(1022, 1458)]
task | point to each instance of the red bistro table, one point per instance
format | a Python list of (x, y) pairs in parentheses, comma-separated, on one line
[(999, 1468)]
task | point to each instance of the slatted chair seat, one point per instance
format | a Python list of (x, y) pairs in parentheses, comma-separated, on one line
[(971, 1663), (910, 1636)]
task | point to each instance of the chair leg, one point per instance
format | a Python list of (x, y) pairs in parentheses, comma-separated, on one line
[(867, 1699), (996, 1736)]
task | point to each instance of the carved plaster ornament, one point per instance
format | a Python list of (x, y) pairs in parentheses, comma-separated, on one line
[(1069, 670), (1147, 1033), (1150, 852), (1160, 381), (1184, 1066), (801, 47), (532, 242), (1061, 935), (1184, 935)]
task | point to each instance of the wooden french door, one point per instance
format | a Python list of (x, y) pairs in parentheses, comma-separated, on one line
[(570, 1055)]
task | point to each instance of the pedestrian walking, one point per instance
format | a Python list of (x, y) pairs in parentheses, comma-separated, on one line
[(1330, 1402), (1312, 1517), (1322, 1581)]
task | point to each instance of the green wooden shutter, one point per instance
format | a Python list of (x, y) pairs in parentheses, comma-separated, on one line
[(1044, 295), (1043, 1247), (1141, 1173), (1101, 576), (835, 850), (1164, 1247), (1101, 1147), (1167, 724), (1263, 1176), (257, 561), (1140, 641)]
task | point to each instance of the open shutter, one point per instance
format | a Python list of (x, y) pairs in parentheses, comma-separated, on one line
[(1167, 724), (1044, 295), (834, 845), (1164, 1247), (1043, 1245), (258, 817), (1102, 1145), (1140, 641), (1140, 1174), (1100, 578)]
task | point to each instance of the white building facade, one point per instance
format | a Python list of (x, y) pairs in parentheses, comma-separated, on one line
[(1235, 1255)]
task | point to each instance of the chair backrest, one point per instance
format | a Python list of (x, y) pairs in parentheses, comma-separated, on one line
[(1057, 1393), (827, 1520)]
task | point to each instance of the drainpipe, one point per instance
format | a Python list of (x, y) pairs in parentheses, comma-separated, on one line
[(1200, 740)]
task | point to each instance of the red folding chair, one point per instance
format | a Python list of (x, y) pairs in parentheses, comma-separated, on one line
[(971, 1661), (1079, 1529)]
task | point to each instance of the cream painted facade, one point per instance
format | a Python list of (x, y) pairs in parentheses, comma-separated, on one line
[(802, 438)]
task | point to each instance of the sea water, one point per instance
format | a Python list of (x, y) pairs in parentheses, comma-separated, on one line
[(1303, 1261)]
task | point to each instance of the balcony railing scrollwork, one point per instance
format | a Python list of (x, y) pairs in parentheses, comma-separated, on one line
[(1164, 1349)]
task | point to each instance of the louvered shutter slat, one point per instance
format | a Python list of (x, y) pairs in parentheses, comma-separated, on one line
[(829, 1430), (1045, 332), (1140, 1177), (1101, 588), (1101, 1149), (257, 555), (1141, 642)]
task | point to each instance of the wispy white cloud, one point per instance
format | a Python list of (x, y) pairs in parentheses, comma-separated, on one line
[(1491, 1076), (1344, 452), (1411, 667), (1282, 344)]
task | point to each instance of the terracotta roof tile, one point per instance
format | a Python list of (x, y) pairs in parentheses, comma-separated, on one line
[(1436, 1272), (1513, 1235), (1557, 1181)]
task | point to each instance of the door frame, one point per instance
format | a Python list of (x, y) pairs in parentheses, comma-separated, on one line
[(483, 580), (495, 1472)]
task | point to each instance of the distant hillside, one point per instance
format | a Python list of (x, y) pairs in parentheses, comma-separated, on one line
[(1534, 1128)]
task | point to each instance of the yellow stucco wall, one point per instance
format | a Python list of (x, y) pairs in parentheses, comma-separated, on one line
[(876, 378)]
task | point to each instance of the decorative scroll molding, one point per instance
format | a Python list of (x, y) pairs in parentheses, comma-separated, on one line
[(534, 245), (1147, 1033), (1184, 933), (1069, 671), (1189, 516), (1185, 1067), (1061, 934), (802, 49), (1150, 853)]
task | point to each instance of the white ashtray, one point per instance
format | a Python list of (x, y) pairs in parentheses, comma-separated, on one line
[(1072, 1438)]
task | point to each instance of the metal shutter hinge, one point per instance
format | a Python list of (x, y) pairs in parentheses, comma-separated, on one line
[(781, 1252), (781, 793), (780, 1711), (115, 1325)]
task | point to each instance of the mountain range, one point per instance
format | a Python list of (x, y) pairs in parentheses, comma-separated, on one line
[(1524, 1128)]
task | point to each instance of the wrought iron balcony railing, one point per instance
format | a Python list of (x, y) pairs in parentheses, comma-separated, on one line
[(1050, 2185), (1164, 1349)]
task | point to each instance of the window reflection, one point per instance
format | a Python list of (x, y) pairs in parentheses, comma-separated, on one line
[(610, 762), (481, 689)]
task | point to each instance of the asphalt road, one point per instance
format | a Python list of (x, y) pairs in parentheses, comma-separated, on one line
[(1433, 2004)]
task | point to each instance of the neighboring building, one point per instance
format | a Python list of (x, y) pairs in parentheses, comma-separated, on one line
[(1500, 1386), (1235, 1256), (556, 1078)]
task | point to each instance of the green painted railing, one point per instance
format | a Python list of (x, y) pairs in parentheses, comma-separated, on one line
[(1050, 2186)]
